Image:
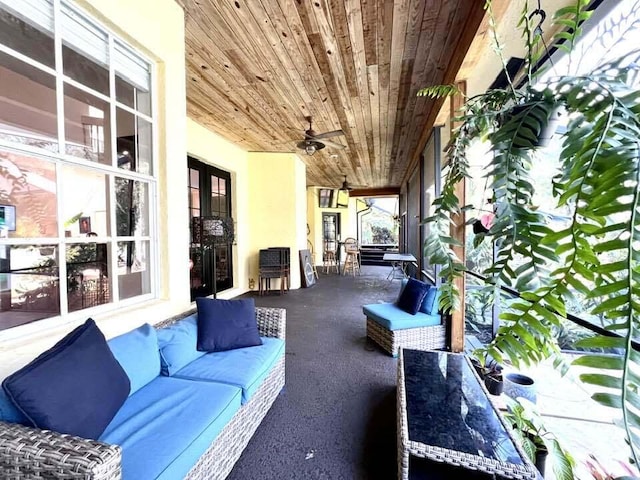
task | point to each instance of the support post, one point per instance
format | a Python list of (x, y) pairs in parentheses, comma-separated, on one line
[(458, 233)]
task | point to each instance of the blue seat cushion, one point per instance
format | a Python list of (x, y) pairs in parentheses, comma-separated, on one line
[(392, 318), (168, 424), (137, 353), (177, 344), (244, 367)]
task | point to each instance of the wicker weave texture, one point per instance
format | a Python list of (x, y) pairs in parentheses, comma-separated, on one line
[(420, 338), (29, 453), (219, 459), (407, 447)]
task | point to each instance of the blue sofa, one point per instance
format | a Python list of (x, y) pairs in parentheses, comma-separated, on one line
[(392, 328), (189, 414)]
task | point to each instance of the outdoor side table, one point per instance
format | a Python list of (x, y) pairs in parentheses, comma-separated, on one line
[(444, 415), (399, 263)]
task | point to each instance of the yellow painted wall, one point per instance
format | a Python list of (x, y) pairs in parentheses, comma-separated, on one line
[(206, 146), (155, 27), (278, 208)]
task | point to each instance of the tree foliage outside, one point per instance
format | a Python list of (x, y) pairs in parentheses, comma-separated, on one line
[(595, 255)]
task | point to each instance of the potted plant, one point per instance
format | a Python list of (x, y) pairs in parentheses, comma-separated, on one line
[(538, 443), (490, 372), (596, 255)]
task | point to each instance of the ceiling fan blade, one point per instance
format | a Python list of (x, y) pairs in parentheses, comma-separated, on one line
[(332, 144), (334, 133)]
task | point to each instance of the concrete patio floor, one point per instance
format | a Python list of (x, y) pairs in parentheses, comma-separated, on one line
[(582, 426)]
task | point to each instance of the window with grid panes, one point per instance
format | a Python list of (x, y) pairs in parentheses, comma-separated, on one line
[(77, 173)]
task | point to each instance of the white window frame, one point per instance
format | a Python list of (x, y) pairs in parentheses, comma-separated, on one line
[(111, 171)]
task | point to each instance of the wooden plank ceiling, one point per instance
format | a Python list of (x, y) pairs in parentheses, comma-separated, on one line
[(257, 68)]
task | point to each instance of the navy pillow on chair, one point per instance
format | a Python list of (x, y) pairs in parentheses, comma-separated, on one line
[(75, 387), (411, 297), (226, 324)]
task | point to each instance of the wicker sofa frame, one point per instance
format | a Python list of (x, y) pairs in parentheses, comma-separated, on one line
[(30, 453), (419, 338)]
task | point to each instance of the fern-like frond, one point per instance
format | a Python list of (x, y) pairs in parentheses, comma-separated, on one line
[(439, 91)]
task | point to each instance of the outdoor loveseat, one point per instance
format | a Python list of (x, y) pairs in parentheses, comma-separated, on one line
[(392, 328), (190, 414)]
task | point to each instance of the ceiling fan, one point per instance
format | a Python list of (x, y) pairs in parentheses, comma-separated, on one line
[(346, 186), (312, 143)]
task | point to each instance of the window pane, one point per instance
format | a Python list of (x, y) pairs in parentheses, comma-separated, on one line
[(134, 277), (29, 28), (132, 210), (133, 79), (84, 202), (195, 198), (28, 190), (85, 51), (87, 275), (27, 104), (132, 96), (29, 284), (87, 126), (134, 142), (194, 178)]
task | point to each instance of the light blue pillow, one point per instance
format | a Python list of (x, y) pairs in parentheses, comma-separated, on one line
[(178, 345), (137, 352)]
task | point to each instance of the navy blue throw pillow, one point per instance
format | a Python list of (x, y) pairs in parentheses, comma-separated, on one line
[(411, 297), (75, 387), (226, 324)]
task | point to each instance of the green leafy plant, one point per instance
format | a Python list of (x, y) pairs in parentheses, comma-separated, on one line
[(597, 255), (531, 433)]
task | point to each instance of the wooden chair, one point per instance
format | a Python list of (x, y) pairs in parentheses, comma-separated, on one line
[(329, 259), (352, 259)]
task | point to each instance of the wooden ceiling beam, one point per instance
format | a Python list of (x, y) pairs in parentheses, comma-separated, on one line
[(374, 192)]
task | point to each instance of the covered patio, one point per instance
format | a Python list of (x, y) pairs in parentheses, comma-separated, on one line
[(151, 152)]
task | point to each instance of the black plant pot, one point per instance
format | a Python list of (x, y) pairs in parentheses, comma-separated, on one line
[(541, 460), (494, 384)]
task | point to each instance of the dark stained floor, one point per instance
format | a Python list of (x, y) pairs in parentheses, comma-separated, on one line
[(335, 418)]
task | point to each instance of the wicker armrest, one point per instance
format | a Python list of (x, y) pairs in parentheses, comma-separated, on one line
[(272, 322), (31, 453)]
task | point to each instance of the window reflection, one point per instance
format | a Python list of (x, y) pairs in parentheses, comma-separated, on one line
[(87, 275), (133, 271), (27, 104), (132, 209), (29, 284), (87, 126), (28, 184), (134, 142), (84, 202), (85, 51), (32, 37)]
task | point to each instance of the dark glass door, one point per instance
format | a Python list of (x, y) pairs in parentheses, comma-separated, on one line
[(210, 266), (331, 233)]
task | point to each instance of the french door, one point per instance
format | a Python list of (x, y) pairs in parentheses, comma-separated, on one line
[(211, 270)]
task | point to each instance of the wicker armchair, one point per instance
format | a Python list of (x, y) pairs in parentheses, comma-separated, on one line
[(29, 453)]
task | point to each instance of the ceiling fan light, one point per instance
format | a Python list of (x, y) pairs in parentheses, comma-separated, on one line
[(310, 148)]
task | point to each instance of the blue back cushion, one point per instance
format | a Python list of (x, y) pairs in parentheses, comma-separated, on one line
[(137, 353), (178, 344), (76, 387), (226, 324), (411, 297), (431, 299)]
